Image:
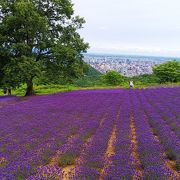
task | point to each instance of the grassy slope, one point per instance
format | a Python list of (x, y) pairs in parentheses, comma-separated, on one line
[(50, 89), (92, 80)]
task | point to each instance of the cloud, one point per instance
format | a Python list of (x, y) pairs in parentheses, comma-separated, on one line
[(134, 49), (140, 26), (102, 28)]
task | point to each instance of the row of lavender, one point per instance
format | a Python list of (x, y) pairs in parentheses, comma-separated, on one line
[(167, 105), (89, 159), (168, 136), (150, 150), (122, 160), (79, 125), (157, 143), (33, 130)]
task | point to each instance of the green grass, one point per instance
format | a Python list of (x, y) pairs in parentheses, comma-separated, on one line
[(42, 89), (51, 89)]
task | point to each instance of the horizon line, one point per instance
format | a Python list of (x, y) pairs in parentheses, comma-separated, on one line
[(140, 55)]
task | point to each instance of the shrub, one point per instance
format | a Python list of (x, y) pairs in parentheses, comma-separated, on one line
[(168, 72), (113, 78)]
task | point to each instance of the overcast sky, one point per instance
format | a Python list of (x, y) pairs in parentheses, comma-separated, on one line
[(139, 27)]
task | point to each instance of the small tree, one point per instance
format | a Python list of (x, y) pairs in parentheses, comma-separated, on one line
[(168, 72), (113, 78)]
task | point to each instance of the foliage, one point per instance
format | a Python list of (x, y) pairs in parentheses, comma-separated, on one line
[(113, 78), (92, 72), (39, 37), (145, 79), (91, 78), (54, 75), (89, 81), (168, 72)]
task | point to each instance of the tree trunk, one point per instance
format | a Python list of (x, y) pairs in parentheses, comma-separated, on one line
[(9, 91), (5, 91), (29, 90)]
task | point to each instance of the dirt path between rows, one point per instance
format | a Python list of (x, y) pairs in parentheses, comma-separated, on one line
[(134, 154)]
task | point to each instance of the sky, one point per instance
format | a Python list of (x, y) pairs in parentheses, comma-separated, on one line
[(132, 27)]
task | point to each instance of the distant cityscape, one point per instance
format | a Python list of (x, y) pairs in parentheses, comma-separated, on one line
[(126, 65)]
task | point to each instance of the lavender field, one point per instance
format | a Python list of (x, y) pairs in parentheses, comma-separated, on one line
[(93, 134)]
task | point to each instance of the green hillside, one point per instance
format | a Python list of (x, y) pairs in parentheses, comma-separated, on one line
[(93, 72)]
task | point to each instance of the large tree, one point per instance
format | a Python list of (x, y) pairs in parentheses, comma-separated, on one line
[(39, 36)]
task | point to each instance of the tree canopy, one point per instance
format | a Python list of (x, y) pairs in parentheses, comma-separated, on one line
[(39, 36), (113, 78), (168, 72)]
